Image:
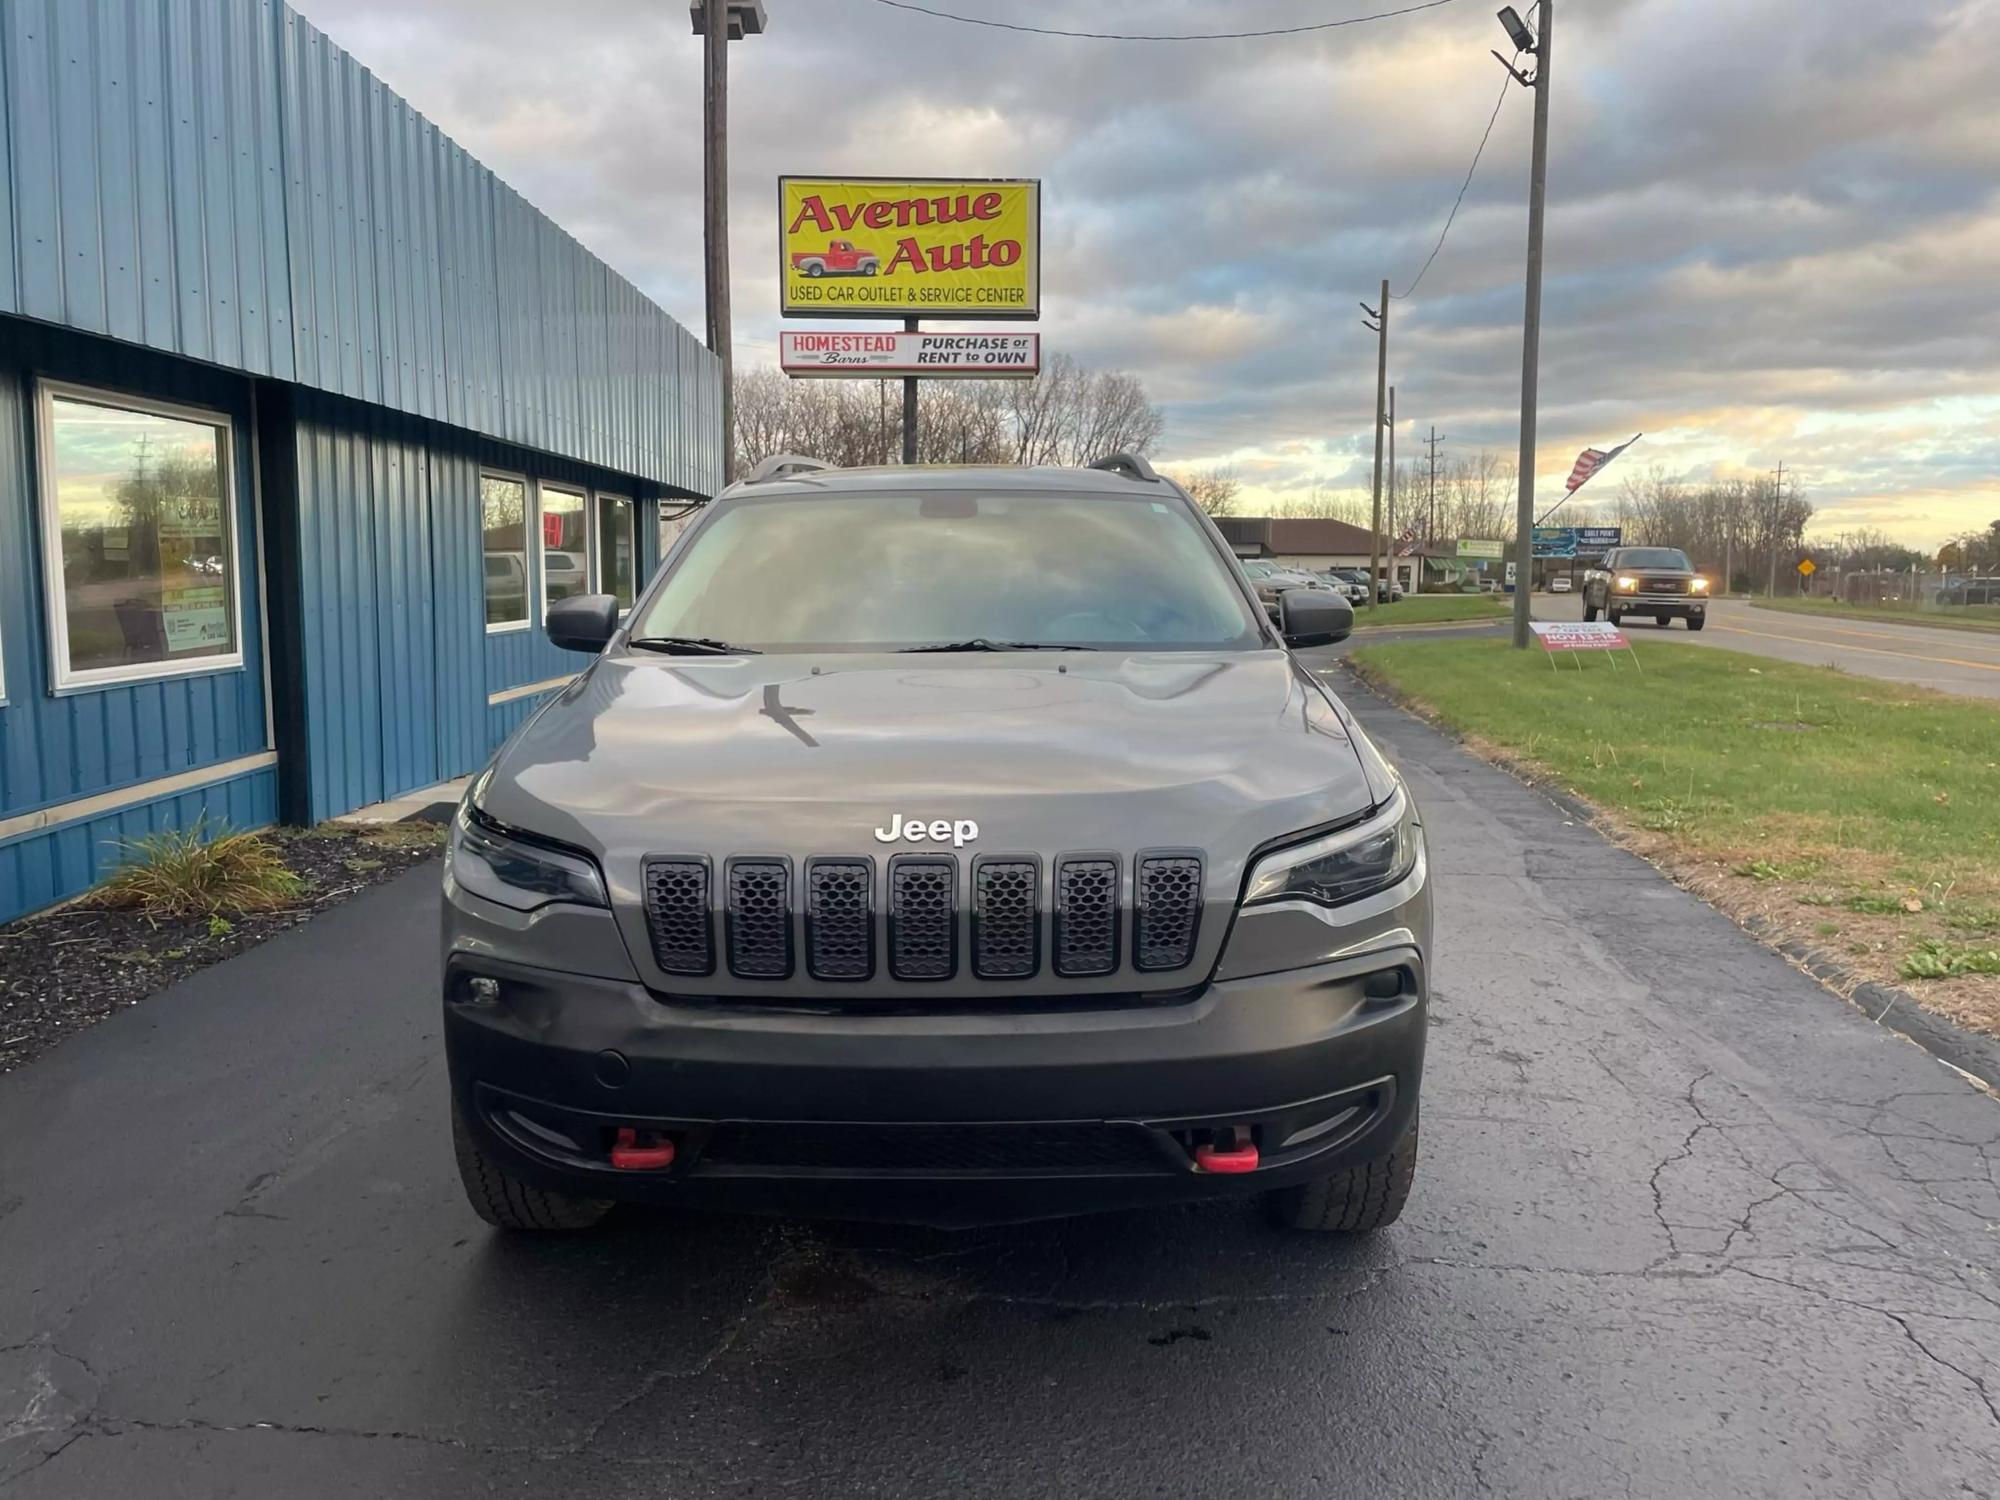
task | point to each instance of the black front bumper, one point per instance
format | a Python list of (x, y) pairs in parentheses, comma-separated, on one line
[(1660, 606), (939, 1117)]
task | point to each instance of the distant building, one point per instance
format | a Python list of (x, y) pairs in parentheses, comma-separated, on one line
[(305, 417)]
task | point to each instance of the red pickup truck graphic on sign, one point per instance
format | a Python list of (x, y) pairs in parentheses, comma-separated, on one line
[(839, 258)]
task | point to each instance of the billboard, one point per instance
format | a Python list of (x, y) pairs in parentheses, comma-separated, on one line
[(1595, 541), (1555, 541), (927, 247), (1478, 547), (870, 356)]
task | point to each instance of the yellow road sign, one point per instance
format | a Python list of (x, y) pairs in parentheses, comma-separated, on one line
[(1807, 567)]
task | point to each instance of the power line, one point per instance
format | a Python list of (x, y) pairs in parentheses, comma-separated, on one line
[(1128, 36), (1463, 186)]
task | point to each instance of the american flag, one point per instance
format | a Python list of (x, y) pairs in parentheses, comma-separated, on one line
[(1591, 460)]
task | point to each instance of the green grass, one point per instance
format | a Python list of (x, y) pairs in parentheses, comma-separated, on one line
[(204, 870), (1984, 617), (1432, 609), (1735, 755)]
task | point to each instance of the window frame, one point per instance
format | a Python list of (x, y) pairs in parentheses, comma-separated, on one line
[(577, 491), (597, 583), (65, 680), (530, 518)]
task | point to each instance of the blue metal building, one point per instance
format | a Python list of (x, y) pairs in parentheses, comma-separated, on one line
[(305, 416)]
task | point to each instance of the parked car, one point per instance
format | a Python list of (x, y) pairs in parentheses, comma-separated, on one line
[(798, 899), (1560, 584), (1272, 581), (839, 258), (1347, 582), (1656, 581)]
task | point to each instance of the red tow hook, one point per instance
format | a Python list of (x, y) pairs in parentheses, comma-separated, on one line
[(629, 1156), (1239, 1155)]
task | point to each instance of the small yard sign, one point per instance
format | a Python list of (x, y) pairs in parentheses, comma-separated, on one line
[(1572, 635)]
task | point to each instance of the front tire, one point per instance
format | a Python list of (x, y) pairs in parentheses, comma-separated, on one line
[(505, 1201), (1695, 622), (1356, 1200)]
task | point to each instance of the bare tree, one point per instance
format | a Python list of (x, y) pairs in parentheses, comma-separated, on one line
[(1213, 489), (1066, 415)]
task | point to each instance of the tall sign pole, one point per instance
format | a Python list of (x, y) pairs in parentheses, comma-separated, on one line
[(1531, 333), (1392, 490), (910, 406)]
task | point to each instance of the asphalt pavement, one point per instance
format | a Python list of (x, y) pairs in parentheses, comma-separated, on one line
[(1951, 661), (1685, 1225)]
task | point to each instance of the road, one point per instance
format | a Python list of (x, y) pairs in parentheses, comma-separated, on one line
[(1686, 1225), (1952, 661)]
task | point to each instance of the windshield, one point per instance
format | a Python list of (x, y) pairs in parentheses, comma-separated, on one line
[(1655, 557), (848, 572)]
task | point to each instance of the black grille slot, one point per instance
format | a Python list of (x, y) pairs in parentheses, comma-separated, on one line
[(923, 918), (1167, 911), (1006, 928), (677, 915), (935, 1149), (760, 918), (1086, 916), (840, 918)]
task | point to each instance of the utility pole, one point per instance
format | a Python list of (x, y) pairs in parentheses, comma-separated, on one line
[(1531, 321), (1430, 509), (718, 23), (1392, 491), (1777, 508), (1381, 329)]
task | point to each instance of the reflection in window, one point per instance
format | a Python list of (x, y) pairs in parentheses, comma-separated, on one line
[(148, 569), (615, 564), (565, 549), (503, 514)]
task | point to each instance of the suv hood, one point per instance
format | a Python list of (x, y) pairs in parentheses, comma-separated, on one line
[(809, 755)]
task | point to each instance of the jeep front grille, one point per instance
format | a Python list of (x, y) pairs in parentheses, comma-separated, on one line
[(1086, 917), (840, 918), (677, 915), (920, 910), (1006, 928), (1166, 911), (923, 917), (760, 918)]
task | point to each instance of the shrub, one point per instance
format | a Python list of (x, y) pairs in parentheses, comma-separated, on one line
[(202, 870)]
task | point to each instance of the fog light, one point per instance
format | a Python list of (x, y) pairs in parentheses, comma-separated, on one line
[(484, 991)]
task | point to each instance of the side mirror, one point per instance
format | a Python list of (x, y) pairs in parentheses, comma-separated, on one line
[(583, 622), (1313, 617)]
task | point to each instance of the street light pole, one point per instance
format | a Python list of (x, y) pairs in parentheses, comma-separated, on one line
[(717, 23), (1392, 492), (1531, 325)]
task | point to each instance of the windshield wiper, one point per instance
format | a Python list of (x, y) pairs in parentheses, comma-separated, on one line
[(981, 643), (691, 645)]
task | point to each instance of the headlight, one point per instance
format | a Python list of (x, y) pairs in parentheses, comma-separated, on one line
[(1344, 866), (514, 872), (1700, 585), (1628, 584)]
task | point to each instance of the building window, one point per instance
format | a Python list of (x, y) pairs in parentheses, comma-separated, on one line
[(139, 539), (617, 564), (565, 546), (503, 518)]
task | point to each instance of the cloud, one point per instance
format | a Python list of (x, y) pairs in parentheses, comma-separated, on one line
[(1773, 233)]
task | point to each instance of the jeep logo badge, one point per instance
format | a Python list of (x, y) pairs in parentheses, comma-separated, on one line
[(937, 831)]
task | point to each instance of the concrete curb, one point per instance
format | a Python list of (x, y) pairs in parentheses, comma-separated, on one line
[(1886, 1005)]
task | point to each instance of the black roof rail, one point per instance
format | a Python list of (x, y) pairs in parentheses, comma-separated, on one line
[(1129, 465), (777, 465)]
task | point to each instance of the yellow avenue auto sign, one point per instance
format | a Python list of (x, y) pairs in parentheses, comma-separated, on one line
[(910, 247)]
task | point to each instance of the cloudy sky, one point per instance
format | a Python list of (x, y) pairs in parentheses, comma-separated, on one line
[(1774, 225)]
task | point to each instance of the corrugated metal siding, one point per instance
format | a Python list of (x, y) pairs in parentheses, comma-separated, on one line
[(55, 750), (218, 179)]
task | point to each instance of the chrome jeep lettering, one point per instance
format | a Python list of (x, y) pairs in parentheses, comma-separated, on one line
[(957, 832)]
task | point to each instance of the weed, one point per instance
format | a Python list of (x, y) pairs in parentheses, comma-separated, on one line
[(1882, 906), (1934, 958), (203, 870)]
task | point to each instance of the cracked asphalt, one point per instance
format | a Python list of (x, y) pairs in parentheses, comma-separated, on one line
[(1685, 1224)]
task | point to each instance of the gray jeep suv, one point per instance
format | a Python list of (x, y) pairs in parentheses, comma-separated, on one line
[(951, 845)]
